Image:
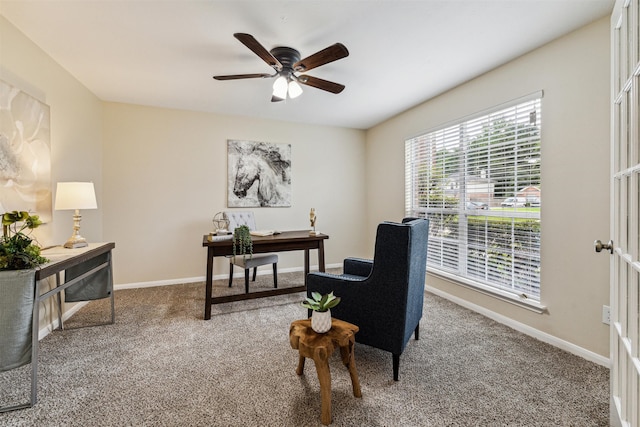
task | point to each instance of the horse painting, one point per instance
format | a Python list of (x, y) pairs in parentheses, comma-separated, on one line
[(259, 174)]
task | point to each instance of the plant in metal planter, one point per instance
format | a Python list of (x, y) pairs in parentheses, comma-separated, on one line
[(242, 243), (17, 250), (321, 306)]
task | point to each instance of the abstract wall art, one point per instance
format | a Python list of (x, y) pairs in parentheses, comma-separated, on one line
[(259, 174), (25, 153)]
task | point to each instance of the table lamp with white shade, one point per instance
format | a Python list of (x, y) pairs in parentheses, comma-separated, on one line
[(75, 195)]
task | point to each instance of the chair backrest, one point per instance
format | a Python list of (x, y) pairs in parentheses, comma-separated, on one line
[(401, 251), (238, 218), (399, 272)]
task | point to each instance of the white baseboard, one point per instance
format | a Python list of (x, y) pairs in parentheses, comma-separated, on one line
[(136, 285), (526, 329), (48, 328)]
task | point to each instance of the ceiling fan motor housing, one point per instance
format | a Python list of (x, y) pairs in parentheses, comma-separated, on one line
[(287, 57)]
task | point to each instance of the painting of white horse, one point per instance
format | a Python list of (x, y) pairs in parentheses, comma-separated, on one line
[(25, 153), (259, 174)]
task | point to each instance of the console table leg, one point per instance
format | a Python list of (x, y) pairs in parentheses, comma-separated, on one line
[(59, 299)]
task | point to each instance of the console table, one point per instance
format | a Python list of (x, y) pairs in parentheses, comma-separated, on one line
[(83, 267), (285, 241)]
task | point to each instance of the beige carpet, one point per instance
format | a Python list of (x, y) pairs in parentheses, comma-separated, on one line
[(162, 365)]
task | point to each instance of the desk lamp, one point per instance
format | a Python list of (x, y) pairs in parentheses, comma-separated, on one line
[(75, 195)]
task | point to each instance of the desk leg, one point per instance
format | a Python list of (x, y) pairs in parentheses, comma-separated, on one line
[(321, 255), (208, 285), (306, 265)]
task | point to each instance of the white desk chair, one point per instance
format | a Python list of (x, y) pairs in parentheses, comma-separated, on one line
[(236, 219)]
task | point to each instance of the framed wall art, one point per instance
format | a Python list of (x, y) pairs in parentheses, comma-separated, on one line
[(25, 153), (258, 174)]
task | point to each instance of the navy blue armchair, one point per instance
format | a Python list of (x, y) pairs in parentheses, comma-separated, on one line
[(383, 296)]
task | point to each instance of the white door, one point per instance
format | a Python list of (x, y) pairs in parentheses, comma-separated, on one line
[(625, 203)]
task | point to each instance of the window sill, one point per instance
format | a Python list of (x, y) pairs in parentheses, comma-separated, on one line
[(520, 301)]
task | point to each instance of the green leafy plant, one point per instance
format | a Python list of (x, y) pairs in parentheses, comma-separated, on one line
[(17, 250), (242, 243), (321, 303)]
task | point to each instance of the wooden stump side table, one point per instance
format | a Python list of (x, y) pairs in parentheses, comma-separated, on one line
[(319, 347)]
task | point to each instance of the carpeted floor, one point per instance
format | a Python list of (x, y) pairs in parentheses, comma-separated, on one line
[(162, 365)]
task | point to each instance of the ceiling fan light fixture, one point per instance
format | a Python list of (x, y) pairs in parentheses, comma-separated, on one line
[(280, 87), (295, 90)]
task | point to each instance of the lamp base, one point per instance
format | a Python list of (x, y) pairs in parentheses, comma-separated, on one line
[(76, 241)]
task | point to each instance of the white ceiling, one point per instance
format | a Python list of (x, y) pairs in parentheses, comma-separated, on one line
[(402, 52)]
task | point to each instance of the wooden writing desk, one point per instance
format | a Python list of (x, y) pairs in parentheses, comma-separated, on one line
[(285, 241)]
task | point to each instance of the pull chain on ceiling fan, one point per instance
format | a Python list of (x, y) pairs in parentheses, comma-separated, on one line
[(286, 62)]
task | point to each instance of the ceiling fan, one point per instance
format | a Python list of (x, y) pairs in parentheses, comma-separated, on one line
[(286, 62)]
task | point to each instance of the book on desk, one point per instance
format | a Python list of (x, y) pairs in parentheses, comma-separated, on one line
[(213, 237), (263, 233)]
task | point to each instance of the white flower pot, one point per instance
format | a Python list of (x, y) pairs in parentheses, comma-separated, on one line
[(321, 321)]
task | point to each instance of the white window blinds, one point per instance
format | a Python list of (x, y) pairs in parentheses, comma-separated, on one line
[(478, 181)]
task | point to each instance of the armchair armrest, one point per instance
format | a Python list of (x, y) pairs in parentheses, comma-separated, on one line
[(319, 279), (358, 267)]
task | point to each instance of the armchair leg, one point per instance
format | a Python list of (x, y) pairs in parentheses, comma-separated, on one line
[(246, 280), (230, 274), (417, 332), (255, 271), (275, 274), (396, 366)]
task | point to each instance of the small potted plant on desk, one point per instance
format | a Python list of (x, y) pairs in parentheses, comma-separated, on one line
[(242, 243), (321, 306)]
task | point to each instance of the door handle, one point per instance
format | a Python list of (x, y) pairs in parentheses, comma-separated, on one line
[(600, 246)]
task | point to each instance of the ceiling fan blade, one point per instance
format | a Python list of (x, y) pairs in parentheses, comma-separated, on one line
[(320, 84), (249, 41), (243, 76), (329, 54), (276, 99)]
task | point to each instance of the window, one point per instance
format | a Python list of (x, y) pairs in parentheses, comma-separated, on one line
[(478, 181)]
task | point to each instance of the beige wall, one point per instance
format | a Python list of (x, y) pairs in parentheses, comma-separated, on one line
[(165, 177), (573, 72)]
